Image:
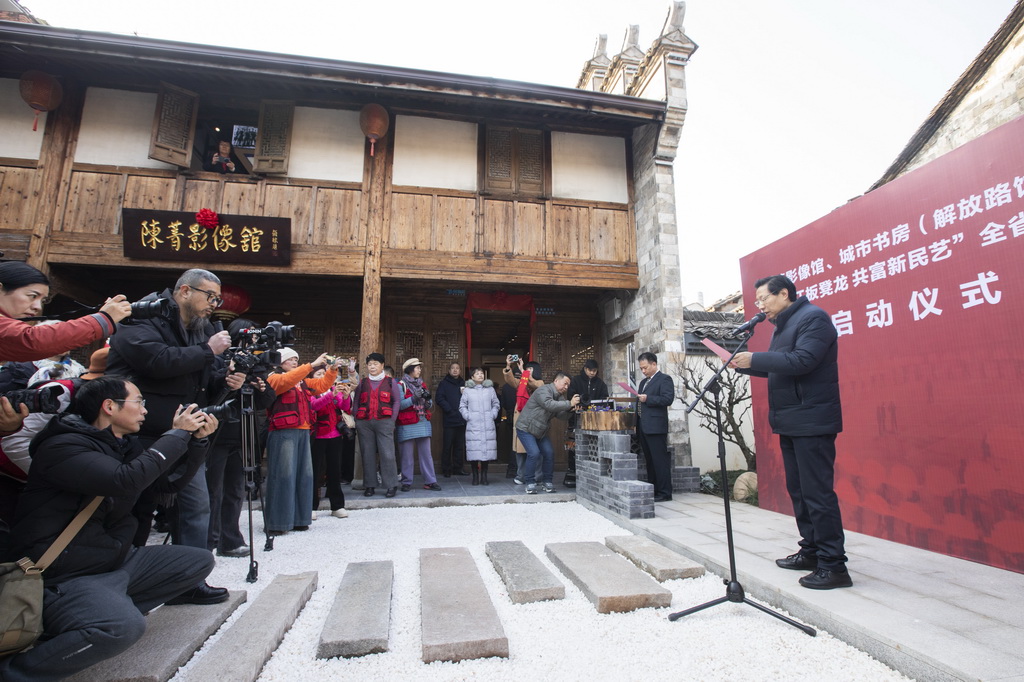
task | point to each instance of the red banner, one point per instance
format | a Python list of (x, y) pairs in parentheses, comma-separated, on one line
[(920, 277)]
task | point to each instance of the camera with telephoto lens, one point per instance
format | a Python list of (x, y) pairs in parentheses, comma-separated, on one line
[(146, 310), (221, 411), (256, 351), (45, 400)]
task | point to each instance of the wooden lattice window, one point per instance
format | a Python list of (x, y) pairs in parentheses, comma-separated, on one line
[(515, 161), (174, 125), (408, 344), (273, 140)]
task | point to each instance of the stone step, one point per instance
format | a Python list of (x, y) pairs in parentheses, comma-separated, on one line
[(660, 561), (526, 578), (361, 616), (241, 652), (457, 618), (173, 634), (609, 581)]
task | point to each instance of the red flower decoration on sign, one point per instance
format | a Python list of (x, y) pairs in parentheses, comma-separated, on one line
[(208, 219)]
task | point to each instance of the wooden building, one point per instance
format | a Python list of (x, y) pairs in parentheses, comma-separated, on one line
[(491, 217)]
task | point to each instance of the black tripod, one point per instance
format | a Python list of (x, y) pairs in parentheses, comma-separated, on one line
[(733, 589), (250, 464)]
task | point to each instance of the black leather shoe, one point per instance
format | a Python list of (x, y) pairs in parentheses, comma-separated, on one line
[(460, 472), (824, 579), (391, 492), (368, 492), (662, 498), (241, 550), (406, 487), (203, 595), (798, 562)]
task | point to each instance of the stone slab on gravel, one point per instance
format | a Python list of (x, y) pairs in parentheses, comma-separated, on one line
[(660, 561), (173, 634), (458, 621), (526, 578), (241, 652), (609, 581), (361, 616)]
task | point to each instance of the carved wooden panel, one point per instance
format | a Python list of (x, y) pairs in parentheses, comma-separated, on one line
[(273, 140), (346, 339), (498, 164), (94, 203), (446, 348), (408, 344), (153, 193), (580, 347), (336, 221), (174, 125), (530, 166), (286, 201), (15, 191), (549, 347)]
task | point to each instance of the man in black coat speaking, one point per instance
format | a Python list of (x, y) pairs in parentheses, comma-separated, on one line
[(804, 409), (654, 396)]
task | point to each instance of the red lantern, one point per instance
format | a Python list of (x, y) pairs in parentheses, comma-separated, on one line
[(41, 91), (374, 122), (236, 302)]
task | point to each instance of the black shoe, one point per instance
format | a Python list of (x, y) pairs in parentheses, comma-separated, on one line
[(391, 492), (241, 550), (203, 595), (446, 474), (368, 492), (570, 481), (301, 528), (825, 579), (431, 486), (798, 562), (662, 498), (406, 487), (460, 472)]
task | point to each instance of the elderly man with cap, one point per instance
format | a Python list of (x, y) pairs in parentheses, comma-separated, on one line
[(414, 426), (376, 404)]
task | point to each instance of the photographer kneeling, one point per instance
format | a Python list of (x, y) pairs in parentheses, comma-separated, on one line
[(98, 590)]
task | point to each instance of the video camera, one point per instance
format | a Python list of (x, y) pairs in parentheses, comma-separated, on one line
[(45, 400), (255, 351)]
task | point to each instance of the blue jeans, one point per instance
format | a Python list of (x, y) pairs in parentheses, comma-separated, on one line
[(536, 449), (289, 480)]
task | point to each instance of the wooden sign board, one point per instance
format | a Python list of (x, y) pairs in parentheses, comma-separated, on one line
[(177, 236)]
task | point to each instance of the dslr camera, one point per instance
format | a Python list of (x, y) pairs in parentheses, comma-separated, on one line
[(256, 351), (45, 400)]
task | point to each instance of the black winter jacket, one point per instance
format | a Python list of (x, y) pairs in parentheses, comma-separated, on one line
[(448, 396), (803, 372), (587, 389), (170, 365), (73, 462)]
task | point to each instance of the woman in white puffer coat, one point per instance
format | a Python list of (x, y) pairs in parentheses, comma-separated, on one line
[(479, 407)]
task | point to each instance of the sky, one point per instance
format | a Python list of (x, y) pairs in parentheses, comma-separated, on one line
[(794, 106)]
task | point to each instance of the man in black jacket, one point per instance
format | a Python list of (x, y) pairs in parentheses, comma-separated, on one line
[(174, 358), (589, 387), (453, 448), (654, 396), (98, 590), (804, 409)]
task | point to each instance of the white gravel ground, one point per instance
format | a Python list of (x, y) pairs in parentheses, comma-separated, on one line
[(558, 640)]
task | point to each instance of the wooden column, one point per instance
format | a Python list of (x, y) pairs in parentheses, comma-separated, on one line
[(55, 160), (375, 217)]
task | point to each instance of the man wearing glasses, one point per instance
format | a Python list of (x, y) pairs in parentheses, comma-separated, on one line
[(174, 359), (802, 369)]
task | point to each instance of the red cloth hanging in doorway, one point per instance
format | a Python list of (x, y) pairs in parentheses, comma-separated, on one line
[(498, 300)]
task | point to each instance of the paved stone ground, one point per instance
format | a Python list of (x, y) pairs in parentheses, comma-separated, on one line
[(930, 616)]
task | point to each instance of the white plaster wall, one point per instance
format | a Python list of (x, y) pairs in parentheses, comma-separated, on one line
[(327, 144), (17, 140), (116, 129), (433, 152), (589, 167)]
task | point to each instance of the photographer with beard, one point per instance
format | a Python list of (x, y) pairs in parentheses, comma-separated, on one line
[(174, 359)]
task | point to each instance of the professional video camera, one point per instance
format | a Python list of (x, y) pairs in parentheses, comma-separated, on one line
[(45, 400), (255, 351)]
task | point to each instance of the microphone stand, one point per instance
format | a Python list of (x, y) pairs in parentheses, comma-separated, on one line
[(733, 589)]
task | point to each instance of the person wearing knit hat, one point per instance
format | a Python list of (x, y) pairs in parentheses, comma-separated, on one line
[(287, 354)]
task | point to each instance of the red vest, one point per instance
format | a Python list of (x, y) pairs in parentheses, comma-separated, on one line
[(375, 403), (290, 410)]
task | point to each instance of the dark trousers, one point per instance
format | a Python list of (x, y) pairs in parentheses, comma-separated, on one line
[(225, 479), (91, 618), (327, 453), (659, 466), (810, 474), (453, 449), (348, 458)]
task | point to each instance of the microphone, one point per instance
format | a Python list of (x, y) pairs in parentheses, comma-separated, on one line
[(750, 324)]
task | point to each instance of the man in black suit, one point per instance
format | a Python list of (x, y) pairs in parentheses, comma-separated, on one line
[(656, 393)]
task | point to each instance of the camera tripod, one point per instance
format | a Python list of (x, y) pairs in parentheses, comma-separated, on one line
[(733, 589), (250, 465)]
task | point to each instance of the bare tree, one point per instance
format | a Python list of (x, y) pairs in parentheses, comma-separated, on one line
[(735, 397)]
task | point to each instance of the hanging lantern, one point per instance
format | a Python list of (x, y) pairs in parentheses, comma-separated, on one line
[(41, 91), (236, 302), (374, 122)]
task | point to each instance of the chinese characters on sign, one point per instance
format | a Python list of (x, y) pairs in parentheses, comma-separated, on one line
[(175, 235)]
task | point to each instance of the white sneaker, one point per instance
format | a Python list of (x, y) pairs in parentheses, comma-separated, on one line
[(518, 480), (313, 517), (549, 488), (339, 513), (531, 488)]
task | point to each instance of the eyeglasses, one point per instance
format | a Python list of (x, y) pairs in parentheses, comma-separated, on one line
[(761, 299), (211, 296), (140, 401)]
